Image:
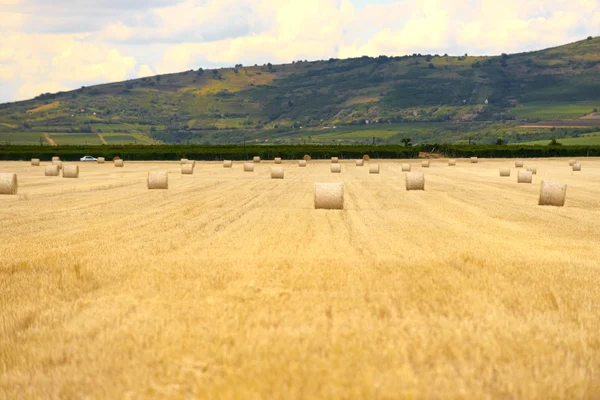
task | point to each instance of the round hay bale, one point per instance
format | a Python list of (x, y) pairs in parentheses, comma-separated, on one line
[(248, 167), (336, 168), (553, 194), (366, 157), (101, 160), (55, 158), (58, 163), (452, 162), (360, 163), (307, 157), (525, 177), (51, 170), (533, 170), (158, 180), (35, 162), (425, 164), (277, 160), (227, 163), (504, 171), (119, 163), (256, 159), (8, 183), (276, 172), (329, 196), (406, 168), (415, 181), (374, 168), (71, 171), (187, 169), (474, 160), (183, 161), (571, 162), (518, 164), (335, 160), (302, 163), (576, 167)]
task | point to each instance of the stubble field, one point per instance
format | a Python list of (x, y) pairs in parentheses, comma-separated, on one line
[(231, 285)]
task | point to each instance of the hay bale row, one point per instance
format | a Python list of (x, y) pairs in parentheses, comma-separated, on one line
[(276, 172), (425, 164), (552, 194), (256, 159), (187, 169), (119, 163), (277, 160), (415, 181), (360, 163), (329, 196), (158, 180), (518, 164), (8, 183), (533, 170), (525, 177), (58, 163), (35, 162), (101, 160), (576, 167), (55, 158), (374, 168), (227, 163), (474, 160), (302, 163), (336, 168), (248, 167), (335, 160), (51, 170), (452, 162), (406, 168), (504, 171), (71, 171)]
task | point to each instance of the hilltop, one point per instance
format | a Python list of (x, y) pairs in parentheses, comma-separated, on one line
[(427, 95)]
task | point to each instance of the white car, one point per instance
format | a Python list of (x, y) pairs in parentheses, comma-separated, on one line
[(88, 158)]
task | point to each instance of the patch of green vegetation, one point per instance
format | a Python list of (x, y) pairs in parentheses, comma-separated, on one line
[(21, 138), (555, 111), (76, 139), (584, 140)]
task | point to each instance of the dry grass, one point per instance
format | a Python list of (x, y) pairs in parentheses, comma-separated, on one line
[(233, 285)]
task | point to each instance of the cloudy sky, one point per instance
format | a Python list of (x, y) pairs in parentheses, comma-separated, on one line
[(52, 45)]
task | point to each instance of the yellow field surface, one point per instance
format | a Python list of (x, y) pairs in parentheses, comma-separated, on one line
[(231, 285)]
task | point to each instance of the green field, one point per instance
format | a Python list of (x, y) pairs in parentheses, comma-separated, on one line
[(76, 139), (22, 138), (554, 111), (592, 139)]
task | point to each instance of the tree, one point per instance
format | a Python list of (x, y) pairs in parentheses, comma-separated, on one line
[(589, 38), (500, 142), (553, 142), (431, 66), (407, 142), (269, 67), (595, 110)]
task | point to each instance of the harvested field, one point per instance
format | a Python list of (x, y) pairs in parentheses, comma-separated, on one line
[(231, 284)]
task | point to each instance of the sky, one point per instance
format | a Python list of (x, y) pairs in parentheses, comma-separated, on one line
[(54, 45)]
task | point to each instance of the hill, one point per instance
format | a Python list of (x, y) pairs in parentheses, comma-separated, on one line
[(421, 97)]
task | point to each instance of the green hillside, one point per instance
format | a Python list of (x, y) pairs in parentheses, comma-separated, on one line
[(422, 97)]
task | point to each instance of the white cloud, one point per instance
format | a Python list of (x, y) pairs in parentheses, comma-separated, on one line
[(145, 71)]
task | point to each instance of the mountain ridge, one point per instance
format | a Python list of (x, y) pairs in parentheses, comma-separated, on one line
[(226, 104)]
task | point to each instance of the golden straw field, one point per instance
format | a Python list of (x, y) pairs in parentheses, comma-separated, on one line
[(231, 285)]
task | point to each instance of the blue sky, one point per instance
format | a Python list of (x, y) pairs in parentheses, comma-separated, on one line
[(64, 44)]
